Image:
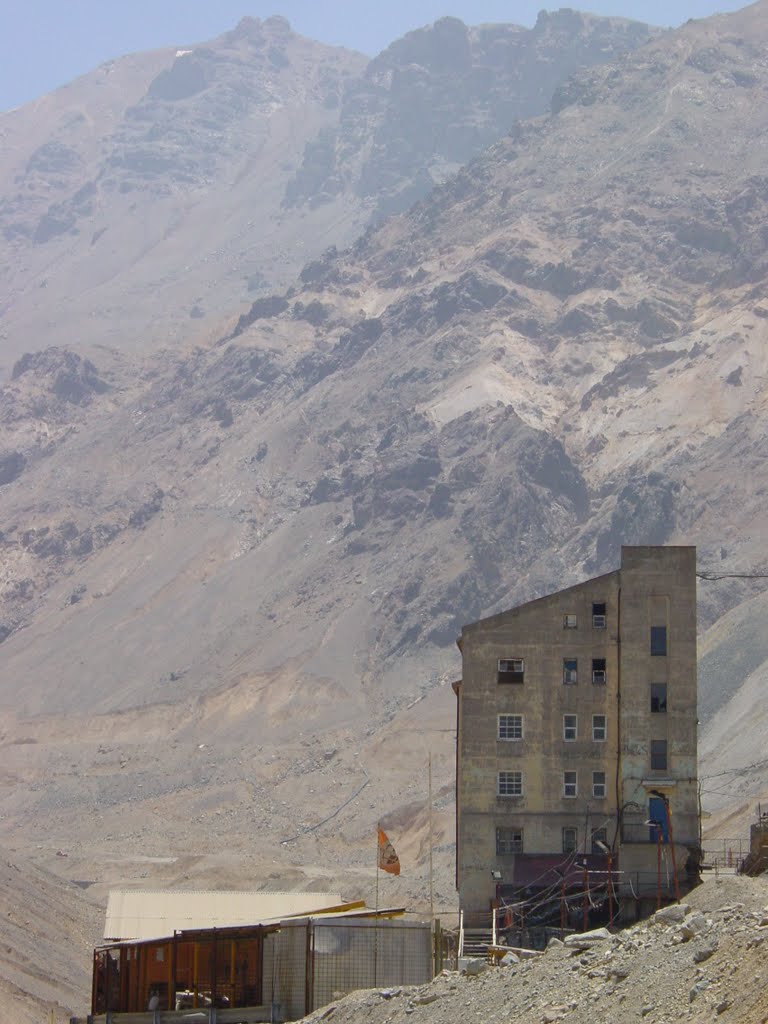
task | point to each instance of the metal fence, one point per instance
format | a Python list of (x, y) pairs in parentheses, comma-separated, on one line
[(308, 964), (724, 853)]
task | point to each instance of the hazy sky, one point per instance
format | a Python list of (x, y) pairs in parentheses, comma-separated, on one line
[(45, 43)]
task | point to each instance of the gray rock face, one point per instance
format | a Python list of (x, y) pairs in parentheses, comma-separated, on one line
[(11, 466), (435, 98)]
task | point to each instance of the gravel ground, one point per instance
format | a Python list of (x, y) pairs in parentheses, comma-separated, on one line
[(705, 960)]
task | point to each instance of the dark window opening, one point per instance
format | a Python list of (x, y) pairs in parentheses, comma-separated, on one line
[(659, 755), (598, 670), (508, 840), (598, 615), (511, 670), (658, 640), (599, 835), (570, 671), (570, 839), (659, 698)]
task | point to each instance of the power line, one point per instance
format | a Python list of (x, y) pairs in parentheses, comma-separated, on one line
[(736, 771), (713, 576)]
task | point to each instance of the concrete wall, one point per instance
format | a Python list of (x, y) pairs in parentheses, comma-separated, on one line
[(655, 587), (658, 588), (535, 632)]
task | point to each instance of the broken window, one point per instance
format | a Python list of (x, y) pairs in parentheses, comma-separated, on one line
[(570, 671), (570, 784), (570, 839), (599, 728), (510, 727), (570, 727), (598, 785), (570, 622), (511, 670), (510, 784), (599, 836), (598, 670), (658, 640), (598, 615), (659, 755), (508, 840), (659, 698)]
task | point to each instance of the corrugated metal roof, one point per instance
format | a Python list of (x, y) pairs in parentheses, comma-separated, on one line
[(143, 914)]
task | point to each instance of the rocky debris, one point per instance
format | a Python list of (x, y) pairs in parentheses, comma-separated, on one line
[(643, 972)]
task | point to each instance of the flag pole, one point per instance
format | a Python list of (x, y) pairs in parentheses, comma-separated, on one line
[(431, 890), (376, 917)]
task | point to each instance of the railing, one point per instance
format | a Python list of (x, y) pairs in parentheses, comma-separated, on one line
[(203, 1015), (724, 853)]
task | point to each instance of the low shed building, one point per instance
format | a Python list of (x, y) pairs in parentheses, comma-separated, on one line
[(270, 970)]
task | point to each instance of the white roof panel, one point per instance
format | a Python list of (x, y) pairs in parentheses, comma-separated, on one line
[(153, 914)]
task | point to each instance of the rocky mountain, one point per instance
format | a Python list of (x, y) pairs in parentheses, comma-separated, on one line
[(143, 202), (231, 575)]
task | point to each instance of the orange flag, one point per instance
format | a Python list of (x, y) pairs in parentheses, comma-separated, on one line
[(388, 859)]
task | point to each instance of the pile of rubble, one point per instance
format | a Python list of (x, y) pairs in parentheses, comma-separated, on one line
[(703, 960)]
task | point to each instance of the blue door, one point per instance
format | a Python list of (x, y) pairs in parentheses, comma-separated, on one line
[(658, 812)]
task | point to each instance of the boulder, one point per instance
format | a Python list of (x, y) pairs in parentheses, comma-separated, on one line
[(673, 914)]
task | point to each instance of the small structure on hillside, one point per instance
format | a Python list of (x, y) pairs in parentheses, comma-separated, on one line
[(273, 969), (756, 861)]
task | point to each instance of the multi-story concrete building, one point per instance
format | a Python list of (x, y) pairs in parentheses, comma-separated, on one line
[(576, 741)]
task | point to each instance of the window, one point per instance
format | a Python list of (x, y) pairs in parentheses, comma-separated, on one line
[(659, 698), (599, 728), (598, 615), (511, 670), (659, 755), (570, 671), (599, 835), (598, 785), (598, 670), (658, 640), (570, 839), (570, 622), (570, 727), (570, 786), (510, 784), (510, 727), (508, 840)]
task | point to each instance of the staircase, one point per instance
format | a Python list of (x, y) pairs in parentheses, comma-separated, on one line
[(477, 941)]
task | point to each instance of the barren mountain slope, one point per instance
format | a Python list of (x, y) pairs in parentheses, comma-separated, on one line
[(143, 202), (49, 928), (229, 577)]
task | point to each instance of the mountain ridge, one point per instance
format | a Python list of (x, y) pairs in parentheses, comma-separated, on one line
[(558, 350)]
